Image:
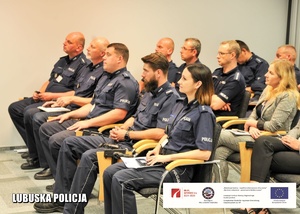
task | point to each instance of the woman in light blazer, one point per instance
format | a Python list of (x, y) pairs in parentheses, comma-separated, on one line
[(275, 110)]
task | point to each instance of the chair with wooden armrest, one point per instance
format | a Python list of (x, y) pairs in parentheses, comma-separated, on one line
[(203, 173), (244, 156), (108, 157), (241, 113)]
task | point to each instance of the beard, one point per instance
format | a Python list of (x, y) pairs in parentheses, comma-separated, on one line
[(151, 86)]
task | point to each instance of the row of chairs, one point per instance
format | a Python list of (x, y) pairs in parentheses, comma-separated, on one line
[(106, 158)]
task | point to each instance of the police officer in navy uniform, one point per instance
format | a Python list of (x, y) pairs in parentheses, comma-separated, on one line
[(84, 90), (229, 83), (189, 135), (253, 69), (61, 82), (148, 122), (289, 52), (189, 54)]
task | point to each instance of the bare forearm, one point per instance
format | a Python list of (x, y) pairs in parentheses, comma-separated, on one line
[(80, 101), (153, 134)]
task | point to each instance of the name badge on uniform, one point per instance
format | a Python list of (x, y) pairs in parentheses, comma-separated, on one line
[(164, 142), (92, 108), (59, 78)]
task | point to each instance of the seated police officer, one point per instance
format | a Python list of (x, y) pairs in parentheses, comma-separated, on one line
[(253, 69), (229, 83), (61, 83)]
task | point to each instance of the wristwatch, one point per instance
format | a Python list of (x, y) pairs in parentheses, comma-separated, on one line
[(126, 137)]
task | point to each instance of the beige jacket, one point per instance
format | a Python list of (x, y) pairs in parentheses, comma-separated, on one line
[(278, 114)]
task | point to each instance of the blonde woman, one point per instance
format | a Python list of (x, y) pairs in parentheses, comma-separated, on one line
[(275, 110)]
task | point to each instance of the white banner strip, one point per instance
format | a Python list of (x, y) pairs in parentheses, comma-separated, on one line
[(229, 195)]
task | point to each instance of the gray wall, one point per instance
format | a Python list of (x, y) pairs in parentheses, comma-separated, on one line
[(32, 33)]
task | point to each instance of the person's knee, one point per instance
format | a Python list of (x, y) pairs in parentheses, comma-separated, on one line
[(39, 118)]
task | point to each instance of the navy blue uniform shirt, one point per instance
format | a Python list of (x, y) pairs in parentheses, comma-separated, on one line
[(190, 127), (172, 72), (254, 71), (117, 90), (230, 87), (87, 81), (155, 108), (65, 73)]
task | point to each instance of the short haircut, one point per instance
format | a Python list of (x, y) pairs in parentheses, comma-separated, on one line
[(157, 61), (120, 49), (196, 44), (243, 45), (233, 46)]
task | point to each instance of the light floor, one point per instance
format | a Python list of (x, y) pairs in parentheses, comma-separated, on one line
[(15, 180)]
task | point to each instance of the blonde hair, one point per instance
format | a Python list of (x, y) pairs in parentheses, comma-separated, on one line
[(286, 72)]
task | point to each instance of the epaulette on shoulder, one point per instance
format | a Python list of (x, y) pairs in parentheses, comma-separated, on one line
[(125, 75), (170, 91), (258, 60), (237, 76)]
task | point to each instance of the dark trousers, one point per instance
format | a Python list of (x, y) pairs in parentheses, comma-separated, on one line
[(18, 111), (121, 182), (36, 150), (71, 178), (52, 134), (269, 154)]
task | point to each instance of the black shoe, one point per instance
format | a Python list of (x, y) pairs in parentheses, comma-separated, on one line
[(31, 164), (239, 211), (25, 155), (43, 175), (49, 207), (50, 188)]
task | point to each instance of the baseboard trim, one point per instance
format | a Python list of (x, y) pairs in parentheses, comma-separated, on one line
[(6, 148)]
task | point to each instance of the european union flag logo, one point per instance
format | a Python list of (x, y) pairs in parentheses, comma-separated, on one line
[(279, 192)]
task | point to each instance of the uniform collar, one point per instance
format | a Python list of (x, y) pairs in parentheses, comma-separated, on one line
[(112, 75), (230, 72), (93, 67), (73, 59), (161, 89)]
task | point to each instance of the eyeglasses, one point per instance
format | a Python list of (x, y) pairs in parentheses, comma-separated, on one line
[(222, 53), (185, 49)]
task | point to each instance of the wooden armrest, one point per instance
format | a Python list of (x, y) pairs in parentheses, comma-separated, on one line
[(145, 147), (226, 118), (110, 126), (103, 163), (267, 133), (143, 142), (245, 156), (182, 162), (233, 122)]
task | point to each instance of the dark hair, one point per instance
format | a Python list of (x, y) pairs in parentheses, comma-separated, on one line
[(120, 49), (201, 73), (157, 61), (243, 45)]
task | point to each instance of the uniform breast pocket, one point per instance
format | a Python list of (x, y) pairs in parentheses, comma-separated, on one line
[(107, 96), (184, 126), (149, 117)]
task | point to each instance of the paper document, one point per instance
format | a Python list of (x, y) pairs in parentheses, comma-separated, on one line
[(55, 109), (239, 132)]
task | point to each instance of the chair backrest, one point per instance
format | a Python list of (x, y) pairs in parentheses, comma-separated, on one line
[(296, 119), (203, 172), (244, 105)]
